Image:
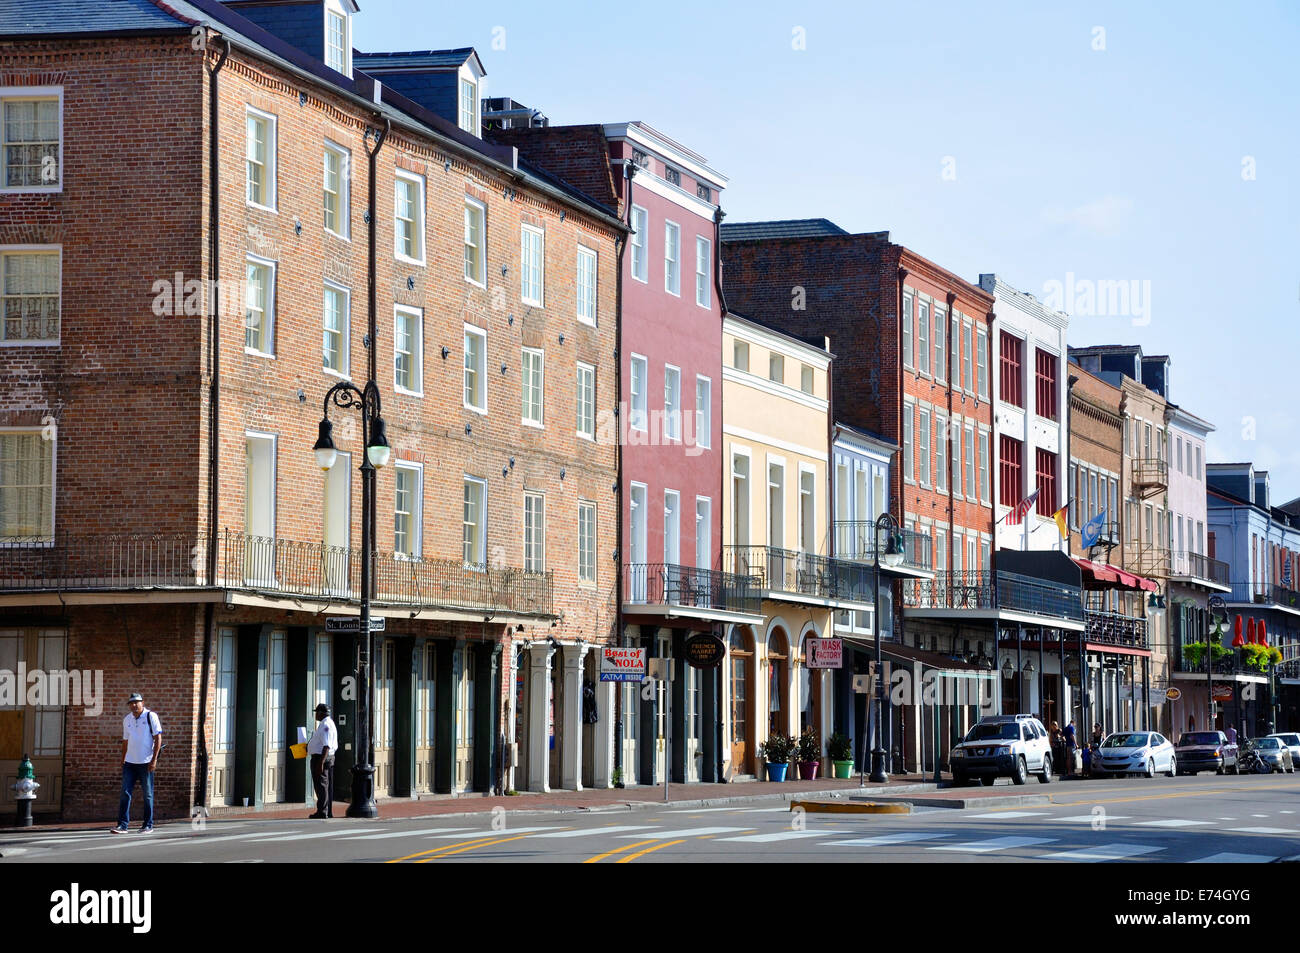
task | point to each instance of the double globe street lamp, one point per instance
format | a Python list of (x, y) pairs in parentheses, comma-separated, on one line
[(375, 439), (891, 558)]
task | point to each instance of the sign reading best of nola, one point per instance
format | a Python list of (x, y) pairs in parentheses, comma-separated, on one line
[(622, 665)]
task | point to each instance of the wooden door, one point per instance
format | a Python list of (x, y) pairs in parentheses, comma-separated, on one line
[(382, 730), (463, 681), (223, 728), (277, 721), (741, 658), (34, 730), (426, 707)]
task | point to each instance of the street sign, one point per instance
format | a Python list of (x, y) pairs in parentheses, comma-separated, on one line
[(622, 665), (1173, 694), (352, 623), (704, 650), (825, 653)]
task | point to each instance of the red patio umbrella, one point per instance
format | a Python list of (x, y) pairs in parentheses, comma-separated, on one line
[(1237, 640), (1250, 630), (1262, 632)]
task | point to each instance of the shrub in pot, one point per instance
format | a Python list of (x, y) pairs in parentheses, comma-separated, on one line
[(840, 751), (808, 755), (777, 751)]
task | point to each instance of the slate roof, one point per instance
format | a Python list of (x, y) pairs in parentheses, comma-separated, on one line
[(29, 17), (578, 155), (415, 59), (789, 228)]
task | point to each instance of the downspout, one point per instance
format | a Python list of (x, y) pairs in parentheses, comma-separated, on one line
[(629, 170), (372, 155), (214, 415), (954, 368), (899, 616), (989, 318)]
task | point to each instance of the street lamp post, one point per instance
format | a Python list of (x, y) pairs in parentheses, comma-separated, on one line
[(1216, 605), (893, 556), (374, 438)]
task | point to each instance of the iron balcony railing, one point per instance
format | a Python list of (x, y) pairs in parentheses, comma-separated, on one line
[(1112, 628), (1262, 593), (805, 574), (1197, 566), (262, 564), (1230, 663), (1000, 590), (856, 539), (1146, 560), (1150, 473), (669, 584)]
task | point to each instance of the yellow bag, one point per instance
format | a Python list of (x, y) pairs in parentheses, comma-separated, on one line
[(298, 750)]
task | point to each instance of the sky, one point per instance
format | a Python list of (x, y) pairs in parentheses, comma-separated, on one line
[(1152, 146)]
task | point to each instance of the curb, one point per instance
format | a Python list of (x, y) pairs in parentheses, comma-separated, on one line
[(961, 804), (860, 807)]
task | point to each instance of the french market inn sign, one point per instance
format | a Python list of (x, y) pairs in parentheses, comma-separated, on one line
[(705, 651)]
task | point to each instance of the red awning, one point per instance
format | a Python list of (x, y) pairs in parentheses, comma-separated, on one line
[(1096, 572), (1106, 576)]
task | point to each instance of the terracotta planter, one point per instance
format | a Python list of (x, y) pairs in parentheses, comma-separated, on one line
[(843, 769), (808, 770)]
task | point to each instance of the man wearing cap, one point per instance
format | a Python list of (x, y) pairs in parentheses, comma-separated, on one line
[(141, 742), (321, 747)]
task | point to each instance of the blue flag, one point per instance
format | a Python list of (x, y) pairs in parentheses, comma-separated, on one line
[(1092, 530)]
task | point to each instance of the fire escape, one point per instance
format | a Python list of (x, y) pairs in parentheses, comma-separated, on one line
[(1150, 555)]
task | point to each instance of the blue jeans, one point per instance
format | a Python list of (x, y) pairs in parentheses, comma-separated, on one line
[(130, 774)]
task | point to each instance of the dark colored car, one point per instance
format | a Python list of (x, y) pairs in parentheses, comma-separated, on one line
[(1206, 751)]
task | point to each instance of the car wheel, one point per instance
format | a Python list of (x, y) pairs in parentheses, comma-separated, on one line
[(1151, 767), (988, 781), (1046, 776), (1173, 768), (1218, 770), (1021, 774)]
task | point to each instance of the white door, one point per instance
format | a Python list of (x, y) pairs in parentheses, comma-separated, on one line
[(662, 725), (631, 729), (637, 562), (277, 746), (338, 528), (384, 715), (426, 705), (462, 674), (259, 510), (694, 755), (223, 728)]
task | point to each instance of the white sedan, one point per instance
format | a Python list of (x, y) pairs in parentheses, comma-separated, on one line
[(1137, 752)]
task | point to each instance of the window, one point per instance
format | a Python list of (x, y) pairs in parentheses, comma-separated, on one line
[(984, 467), (907, 330), (982, 363), (337, 165), (1198, 463), (703, 272), (1178, 453), (531, 256), (586, 544), (672, 258), (672, 403), (335, 321), (637, 413), (908, 445), (703, 532), (474, 523), (31, 139), (940, 453), (805, 378), (740, 355), (30, 295), (956, 458), (1094, 504), (337, 48), (259, 307), (475, 245), (1072, 488), (672, 528), (640, 228), (673, 176), (532, 386), (408, 349), (475, 368), (740, 498), (1045, 395), (940, 353), (967, 382), (408, 507), (1012, 392), (534, 533), (807, 537), (468, 113), (925, 448), (408, 222), (971, 490), (1045, 462), (1012, 459), (586, 286), (585, 398), (776, 368), (260, 153), (26, 487), (923, 337), (703, 412)]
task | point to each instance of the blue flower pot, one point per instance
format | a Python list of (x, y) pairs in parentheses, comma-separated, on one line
[(776, 772)]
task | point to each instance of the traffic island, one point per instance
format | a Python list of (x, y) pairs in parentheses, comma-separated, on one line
[(852, 806)]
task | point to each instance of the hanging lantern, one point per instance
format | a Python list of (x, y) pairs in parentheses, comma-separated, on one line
[(1237, 640), (1250, 630)]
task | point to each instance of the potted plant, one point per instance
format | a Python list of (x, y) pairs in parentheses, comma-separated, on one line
[(840, 751), (809, 755), (777, 750)]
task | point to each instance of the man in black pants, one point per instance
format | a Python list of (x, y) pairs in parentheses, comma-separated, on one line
[(321, 748)]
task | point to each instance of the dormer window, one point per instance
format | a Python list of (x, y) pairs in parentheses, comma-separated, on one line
[(468, 106), (338, 39)]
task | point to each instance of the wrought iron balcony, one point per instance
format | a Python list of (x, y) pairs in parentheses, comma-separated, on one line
[(1002, 590), (668, 584), (856, 539), (1148, 560), (1112, 628), (1197, 566), (801, 574), (264, 565), (1150, 476)]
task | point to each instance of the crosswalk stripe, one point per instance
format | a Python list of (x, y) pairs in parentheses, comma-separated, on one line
[(1002, 814), (994, 843), (777, 837), (884, 839), (1173, 822), (167, 841), (687, 832), (414, 833), (1263, 830), (1109, 852), (500, 833), (761, 810), (697, 810), (593, 831), (1232, 858), (1085, 818), (316, 835)]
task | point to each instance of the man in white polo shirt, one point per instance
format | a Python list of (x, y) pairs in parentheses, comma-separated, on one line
[(141, 742), (322, 747)]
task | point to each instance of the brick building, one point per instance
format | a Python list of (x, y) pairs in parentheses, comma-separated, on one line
[(172, 529)]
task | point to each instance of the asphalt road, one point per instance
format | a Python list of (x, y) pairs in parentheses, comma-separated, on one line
[(1250, 819)]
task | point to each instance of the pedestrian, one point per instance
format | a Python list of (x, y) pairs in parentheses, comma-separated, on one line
[(1097, 734), (1071, 748), (1231, 734), (141, 742), (321, 748), (1058, 746)]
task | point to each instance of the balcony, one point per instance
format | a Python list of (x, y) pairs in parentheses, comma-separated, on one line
[(856, 540), (664, 587), (269, 567), (1264, 594), (1150, 477), (991, 592), (1112, 628), (787, 573), (1146, 560), (1196, 568)]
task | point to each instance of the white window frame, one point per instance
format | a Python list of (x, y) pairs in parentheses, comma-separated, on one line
[(345, 332), (739, 347), (703, 278), (480, 372), (640, 249), (29, 93), (417, 355), (269, 167), (676, 511), (480, 527), (704, 412), (706, 518), (539, 299), (268, 311), (638, 411), (586, 292), (538, 543), (927, 460), (587, 538), (417, 224), (776, 367), (416, 512), (673, 266), (6, 250), (540, 385), (344, 212), (28, 542), (587, 432), (345, 67), (462, 119), (672, 429), (480, 260)]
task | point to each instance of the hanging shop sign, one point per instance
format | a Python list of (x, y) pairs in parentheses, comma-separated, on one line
[(704, 650), (825, 653)]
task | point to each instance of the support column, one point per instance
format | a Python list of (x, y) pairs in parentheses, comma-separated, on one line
[(677, 730), (539, 698), (571, 753), (605, 736), (486, 659), (647, 752), (444, 748), (710, 720)]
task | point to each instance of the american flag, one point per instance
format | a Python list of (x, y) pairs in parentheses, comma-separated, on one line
[(1020, 509)]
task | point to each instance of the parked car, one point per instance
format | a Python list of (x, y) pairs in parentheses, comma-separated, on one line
[(1137, 752), (1292, 740), (1271, 754), (1003, 746), (1206, 751)]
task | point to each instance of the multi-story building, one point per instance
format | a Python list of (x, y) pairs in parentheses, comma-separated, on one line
[(284, 223)]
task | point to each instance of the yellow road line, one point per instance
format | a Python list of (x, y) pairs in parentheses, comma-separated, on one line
[(448, 853), (423, 853), (642, 853), (617, 850), (1161, 797)]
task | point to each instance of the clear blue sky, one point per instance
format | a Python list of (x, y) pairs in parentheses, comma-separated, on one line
[(1123, 163)]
